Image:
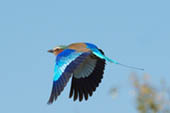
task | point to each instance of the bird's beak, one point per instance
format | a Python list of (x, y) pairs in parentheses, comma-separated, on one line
[(51, 51)]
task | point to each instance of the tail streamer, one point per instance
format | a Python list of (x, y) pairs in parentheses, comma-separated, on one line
[(127, 66)]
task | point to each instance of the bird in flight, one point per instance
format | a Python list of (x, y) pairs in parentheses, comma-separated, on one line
[(85, 63)]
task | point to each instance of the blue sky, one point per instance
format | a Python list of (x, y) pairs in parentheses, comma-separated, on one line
[(131, 31)]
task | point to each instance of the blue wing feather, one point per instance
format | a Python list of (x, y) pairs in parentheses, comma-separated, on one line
[(66, 62), (63, 60)]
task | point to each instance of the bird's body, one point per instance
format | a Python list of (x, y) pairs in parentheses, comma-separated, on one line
[(85, 62)]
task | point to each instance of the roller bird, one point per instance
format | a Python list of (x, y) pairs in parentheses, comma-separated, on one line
[(85, 63)]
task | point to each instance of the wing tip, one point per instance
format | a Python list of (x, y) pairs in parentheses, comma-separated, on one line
[(49, 102), (88, 85)]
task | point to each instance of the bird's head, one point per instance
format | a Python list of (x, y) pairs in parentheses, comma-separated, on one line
[(57, 49)]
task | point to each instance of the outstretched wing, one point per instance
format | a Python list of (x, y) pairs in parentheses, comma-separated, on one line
[(87, 77), (66, 62)]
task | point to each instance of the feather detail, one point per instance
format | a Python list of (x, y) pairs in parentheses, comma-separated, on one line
[(86, 86), (79, 47), (66, 63)]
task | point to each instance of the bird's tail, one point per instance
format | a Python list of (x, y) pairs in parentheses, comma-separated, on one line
[(100, 55), (127, 66)]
